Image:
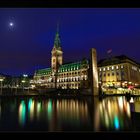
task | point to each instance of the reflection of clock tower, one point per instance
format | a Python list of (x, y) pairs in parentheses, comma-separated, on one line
[(57, 54)]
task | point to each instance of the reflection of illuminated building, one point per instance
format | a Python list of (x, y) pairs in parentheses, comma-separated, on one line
[(22, 113), (135, 105), (49, 109), (38, 109), (56, 114), (113, 114), (31, 108), (71, 111)]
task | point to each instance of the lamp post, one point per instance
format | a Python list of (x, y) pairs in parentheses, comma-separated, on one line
[(23, 81), (1, 80)]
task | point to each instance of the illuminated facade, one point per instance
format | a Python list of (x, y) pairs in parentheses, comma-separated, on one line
[(71, 75), (119, 71)]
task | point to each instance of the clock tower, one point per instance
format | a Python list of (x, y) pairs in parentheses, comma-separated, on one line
[(57, 53)]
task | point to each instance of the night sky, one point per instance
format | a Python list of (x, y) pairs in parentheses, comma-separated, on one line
[(26, 44)]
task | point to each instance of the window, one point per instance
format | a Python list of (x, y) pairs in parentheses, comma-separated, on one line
[(112, 67), (107, 68), (112, 73), (103, 69), (100, 69), (121, 66), (104, 74), (117, 67), (108, 74), (134, 68), (117, 73)]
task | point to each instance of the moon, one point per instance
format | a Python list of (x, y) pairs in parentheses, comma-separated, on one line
[(11, 24)]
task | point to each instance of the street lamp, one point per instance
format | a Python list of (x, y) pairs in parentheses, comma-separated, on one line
[(1, 80), (25, 75), (23, 81)]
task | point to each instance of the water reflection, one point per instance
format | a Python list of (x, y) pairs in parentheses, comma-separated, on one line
[(31, 109), (39, 114), (38, 109), (49, 109), (113, 114), (56, 114), (22, 113)]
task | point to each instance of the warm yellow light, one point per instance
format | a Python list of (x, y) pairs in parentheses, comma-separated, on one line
[(1, 79)]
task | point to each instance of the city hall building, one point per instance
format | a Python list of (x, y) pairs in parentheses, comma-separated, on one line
[(69, 75), (118, 71)]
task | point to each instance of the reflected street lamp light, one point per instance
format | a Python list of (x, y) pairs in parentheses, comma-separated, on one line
[(1, 80), (23, 81)]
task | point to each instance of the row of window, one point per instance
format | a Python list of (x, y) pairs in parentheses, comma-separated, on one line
[(66, 79), (70, 79), (69, 85), (113, 74), (64, 74), (68, 69), (111, 68), (65, 85)]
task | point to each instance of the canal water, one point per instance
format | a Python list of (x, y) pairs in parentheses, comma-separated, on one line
[(69, 114)]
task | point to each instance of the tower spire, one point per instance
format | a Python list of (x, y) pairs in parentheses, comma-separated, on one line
[(57, 42)]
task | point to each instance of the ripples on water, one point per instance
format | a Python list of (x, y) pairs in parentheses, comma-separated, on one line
[(84, 114)]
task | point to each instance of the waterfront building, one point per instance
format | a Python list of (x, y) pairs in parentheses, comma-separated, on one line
[(115, 72), (119, 71), (73, 75)]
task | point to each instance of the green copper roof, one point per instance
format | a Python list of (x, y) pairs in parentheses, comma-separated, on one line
[(57, 42), (65, 67), (46, 71), (71, 66)]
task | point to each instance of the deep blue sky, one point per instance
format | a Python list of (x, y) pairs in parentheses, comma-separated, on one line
[(27, 45)]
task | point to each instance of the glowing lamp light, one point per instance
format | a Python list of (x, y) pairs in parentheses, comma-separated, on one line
[(1, 79), (23, 81), (131, 100), (25, 75)]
